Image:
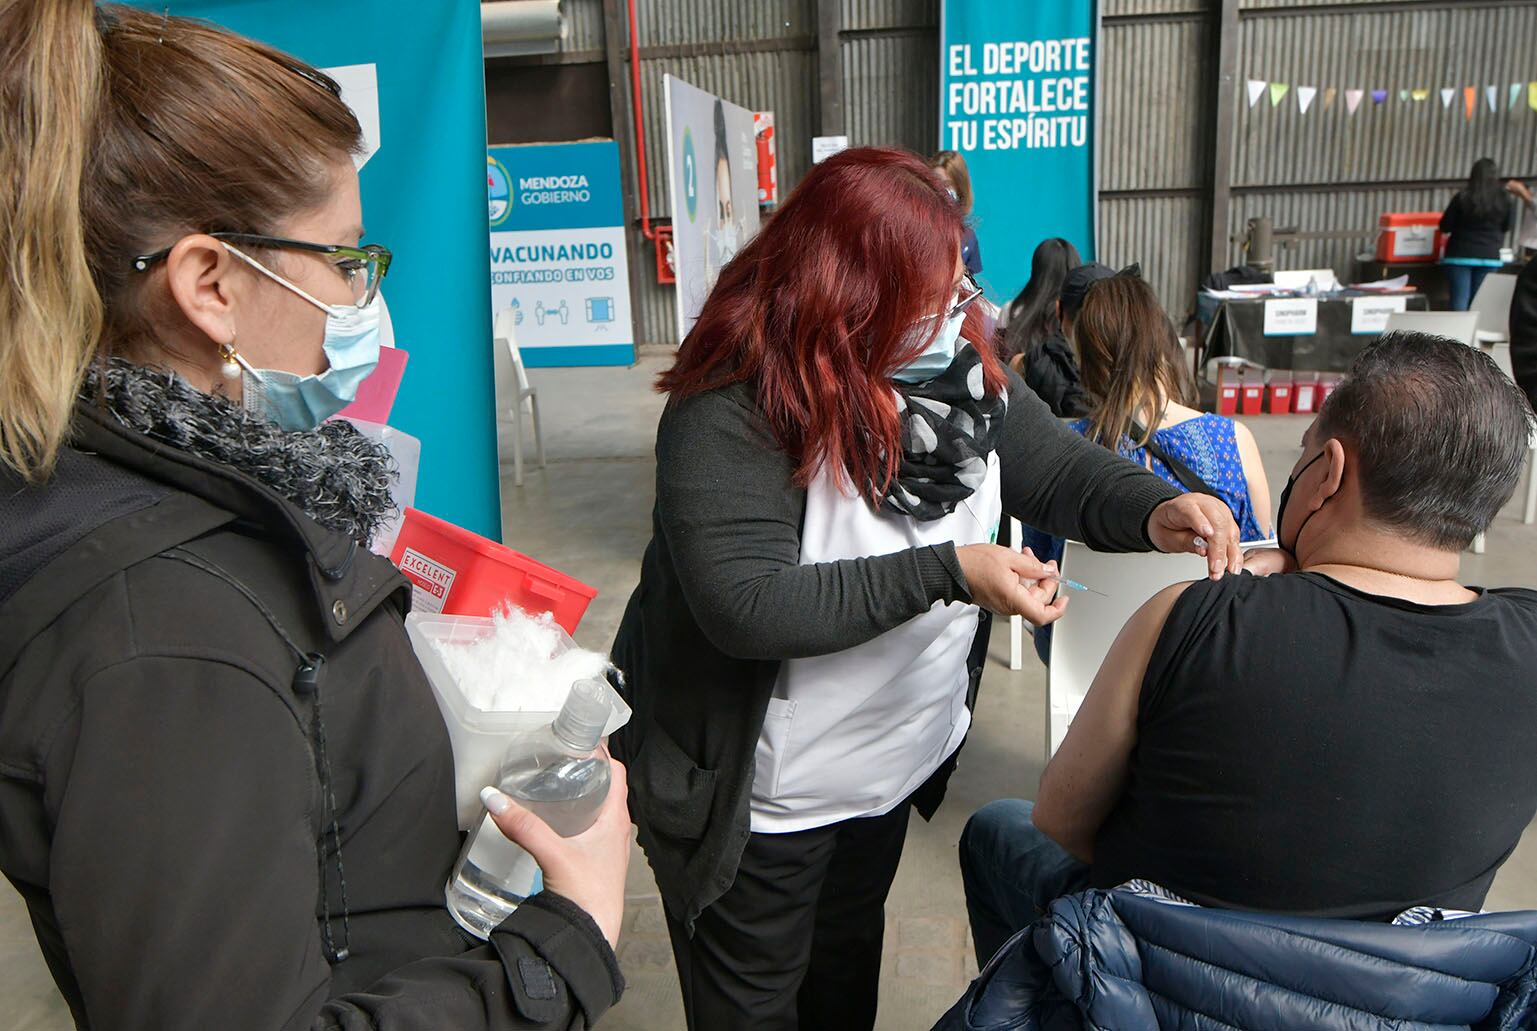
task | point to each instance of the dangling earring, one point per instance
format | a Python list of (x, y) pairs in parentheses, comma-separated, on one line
[(231, 366)]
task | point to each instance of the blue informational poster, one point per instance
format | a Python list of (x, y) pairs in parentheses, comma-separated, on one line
[(414, 74), (1016, 100), (557, 252)]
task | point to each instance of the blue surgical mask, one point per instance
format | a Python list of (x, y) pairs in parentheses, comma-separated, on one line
[(352, 343), (939, 353)]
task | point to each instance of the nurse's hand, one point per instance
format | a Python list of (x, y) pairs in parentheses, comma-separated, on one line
[(1011, 583), (1202, 525)]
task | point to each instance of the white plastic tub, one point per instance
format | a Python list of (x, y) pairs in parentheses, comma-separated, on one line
[(479, 736)]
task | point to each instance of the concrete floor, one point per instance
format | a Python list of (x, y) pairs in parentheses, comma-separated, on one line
[(589, 514)]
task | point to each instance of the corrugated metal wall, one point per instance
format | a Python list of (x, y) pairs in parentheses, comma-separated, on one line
[(891, 89), (782, 81), (1393, 50), (584, 25), (1386, 157), (1154, 147), (1157, 96)]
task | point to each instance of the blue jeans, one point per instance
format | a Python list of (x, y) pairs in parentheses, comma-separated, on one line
[(1012, 873), (1464, 281)]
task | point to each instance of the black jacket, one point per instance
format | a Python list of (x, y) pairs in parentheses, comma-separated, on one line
[(1471, 235), (168, 774), (1051, 370), (722, 600)]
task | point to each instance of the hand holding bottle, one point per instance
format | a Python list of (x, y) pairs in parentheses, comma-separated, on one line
[(589, 868)]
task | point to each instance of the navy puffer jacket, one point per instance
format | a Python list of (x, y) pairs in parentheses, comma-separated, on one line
[(1115, 960)]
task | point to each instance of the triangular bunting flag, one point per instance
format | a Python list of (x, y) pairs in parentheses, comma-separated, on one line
[(1515, 94), (1492, 94), (1469, 101), (1419, 94), (1446, 97), (1329, 95), (1353, 99), (1403, 96), (1305, 95), (1277, 91), (1531, 95), (1256, 90), (1379, 95)]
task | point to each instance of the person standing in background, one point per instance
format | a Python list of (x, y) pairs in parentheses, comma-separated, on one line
[(1477, 220), (953, 167), (1035, 344)]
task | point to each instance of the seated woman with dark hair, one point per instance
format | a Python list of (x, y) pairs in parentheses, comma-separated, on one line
[(1140, 392), (1035, 343)]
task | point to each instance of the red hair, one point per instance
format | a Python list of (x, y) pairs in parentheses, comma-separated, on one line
[(814, 312)]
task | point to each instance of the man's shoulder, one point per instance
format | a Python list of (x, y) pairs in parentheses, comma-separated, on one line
[(1519, 599)]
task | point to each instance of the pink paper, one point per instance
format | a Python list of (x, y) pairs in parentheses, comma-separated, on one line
[(376, 394)]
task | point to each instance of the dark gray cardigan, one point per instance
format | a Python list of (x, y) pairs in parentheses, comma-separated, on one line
[(723, 600)]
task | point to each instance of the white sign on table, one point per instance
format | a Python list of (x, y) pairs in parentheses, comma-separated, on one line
[(1370, 314), (1291, 316)]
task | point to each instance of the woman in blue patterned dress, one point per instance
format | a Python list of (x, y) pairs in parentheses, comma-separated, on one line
[(1140, 388)]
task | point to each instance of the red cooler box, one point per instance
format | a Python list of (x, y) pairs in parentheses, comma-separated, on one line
[(1251, 390), (458, 573), (1229, 384), (1305, 392), (1278, 394), (1407, 235), (1326, 386)]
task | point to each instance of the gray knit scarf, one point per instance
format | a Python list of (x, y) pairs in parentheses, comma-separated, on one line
[(336, 475)]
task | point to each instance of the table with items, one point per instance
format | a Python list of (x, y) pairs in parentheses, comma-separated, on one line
[(1293, 332)]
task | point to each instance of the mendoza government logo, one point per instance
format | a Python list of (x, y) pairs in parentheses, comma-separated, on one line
[(499, 186)]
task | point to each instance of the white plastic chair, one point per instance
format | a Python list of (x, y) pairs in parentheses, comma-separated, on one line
[(1500, 352), (1492, 304), (527, 397), (1458, 325), (1082, 637)]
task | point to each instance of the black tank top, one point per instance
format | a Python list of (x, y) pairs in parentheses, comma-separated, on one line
[(1305, 747)]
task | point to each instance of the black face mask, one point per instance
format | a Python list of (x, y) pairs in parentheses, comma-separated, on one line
[(1280, 516)]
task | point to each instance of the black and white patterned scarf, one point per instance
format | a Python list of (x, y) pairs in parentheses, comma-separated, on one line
[(336, 475), (949, 428)]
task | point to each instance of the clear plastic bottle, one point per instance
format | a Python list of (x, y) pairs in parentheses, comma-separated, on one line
[(559, 774)]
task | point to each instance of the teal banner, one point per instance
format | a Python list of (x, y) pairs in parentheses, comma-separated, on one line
[(557, 252), (1016, 100), (414, 74)]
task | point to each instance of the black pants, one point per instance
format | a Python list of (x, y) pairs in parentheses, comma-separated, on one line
[(795, 943)]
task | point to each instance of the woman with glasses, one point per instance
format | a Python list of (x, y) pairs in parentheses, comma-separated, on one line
[(226, 792), (806, 639)]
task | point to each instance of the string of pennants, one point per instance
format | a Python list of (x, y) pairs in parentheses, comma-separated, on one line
[(1494, 97)]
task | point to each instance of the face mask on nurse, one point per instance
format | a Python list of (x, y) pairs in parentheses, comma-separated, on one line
[(940, 349)]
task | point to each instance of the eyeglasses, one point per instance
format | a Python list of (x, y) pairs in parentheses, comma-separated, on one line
[(968, 292), (363, 267), (964, 297)]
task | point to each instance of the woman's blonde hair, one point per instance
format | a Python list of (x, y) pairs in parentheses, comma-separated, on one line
[(120, 131)]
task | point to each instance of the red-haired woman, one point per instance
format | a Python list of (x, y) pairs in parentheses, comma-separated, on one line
[(832, 464)]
